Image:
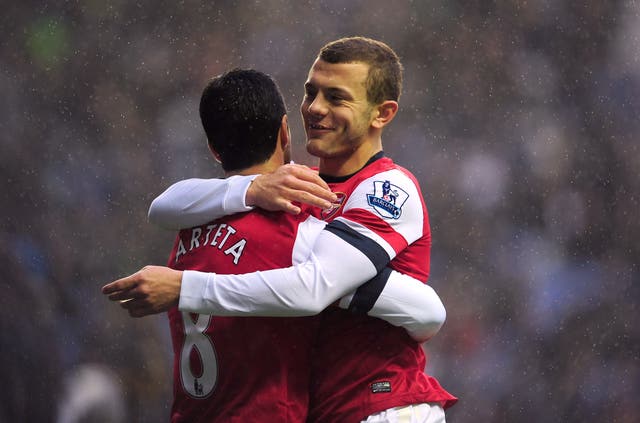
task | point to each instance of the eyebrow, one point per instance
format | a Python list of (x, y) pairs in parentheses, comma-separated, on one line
[(308, 86), (341, 92)]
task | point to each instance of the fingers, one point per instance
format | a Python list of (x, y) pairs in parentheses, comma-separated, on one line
[(312, 196), (125, 289), (151, 290), (289, 207), (123, 284), (125, 295), (307, 174), (288, 185), (137, 308), (305, 186)]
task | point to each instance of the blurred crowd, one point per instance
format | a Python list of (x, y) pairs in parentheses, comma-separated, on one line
[(520, 120)]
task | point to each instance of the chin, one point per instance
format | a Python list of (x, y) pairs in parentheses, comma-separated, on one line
[(322, 153), (314, 147)]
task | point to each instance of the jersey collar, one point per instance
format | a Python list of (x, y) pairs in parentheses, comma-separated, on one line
[(335, 179)]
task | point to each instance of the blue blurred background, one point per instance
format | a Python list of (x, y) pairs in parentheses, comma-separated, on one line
[(520, 119)]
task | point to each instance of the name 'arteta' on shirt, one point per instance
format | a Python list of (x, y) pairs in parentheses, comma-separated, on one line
[(221, 236)]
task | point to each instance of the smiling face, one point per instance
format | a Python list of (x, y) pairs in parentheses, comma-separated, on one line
[(337, 115)]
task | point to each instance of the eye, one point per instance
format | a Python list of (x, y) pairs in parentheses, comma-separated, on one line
[(309, 94)]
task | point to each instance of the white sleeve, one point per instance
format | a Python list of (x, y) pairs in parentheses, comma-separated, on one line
[(334, 268), (193, 202), (408, 303), (348, 253)]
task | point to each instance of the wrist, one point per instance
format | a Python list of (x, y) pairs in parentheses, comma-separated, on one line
[(251, 193)]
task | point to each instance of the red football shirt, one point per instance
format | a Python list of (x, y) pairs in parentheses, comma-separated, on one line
[(240, 369), (363, 365)]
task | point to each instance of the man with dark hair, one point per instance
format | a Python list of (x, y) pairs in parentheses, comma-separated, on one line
[(234, 369), (363, 369)]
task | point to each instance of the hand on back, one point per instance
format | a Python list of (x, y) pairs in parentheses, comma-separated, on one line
[(287, 185)]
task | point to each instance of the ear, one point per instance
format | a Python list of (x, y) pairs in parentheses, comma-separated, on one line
[(284, 133), (216, 156), (385, 112)]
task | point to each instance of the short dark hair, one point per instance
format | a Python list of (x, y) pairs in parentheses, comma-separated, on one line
[(384, 80), (241, 112)]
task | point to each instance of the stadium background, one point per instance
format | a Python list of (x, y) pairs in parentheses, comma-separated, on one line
[(520, 119)]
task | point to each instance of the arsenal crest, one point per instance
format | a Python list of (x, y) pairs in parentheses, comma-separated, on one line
[(335, 208), (387, 199)]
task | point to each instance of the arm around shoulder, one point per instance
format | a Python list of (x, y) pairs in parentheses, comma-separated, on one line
[(301, 290), (193, 202)]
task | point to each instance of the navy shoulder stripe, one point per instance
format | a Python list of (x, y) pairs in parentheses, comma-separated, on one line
[(367, 294), (367, 246)]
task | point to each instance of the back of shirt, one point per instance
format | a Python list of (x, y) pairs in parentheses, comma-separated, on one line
[(364, 365), (239, 369)]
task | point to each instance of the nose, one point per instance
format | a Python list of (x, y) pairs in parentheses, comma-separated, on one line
[(318, 107)]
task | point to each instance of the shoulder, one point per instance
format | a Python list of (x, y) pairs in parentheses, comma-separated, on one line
[(392, 186)]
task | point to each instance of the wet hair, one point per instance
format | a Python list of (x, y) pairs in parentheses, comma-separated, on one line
[(241, 112), (384, 80)]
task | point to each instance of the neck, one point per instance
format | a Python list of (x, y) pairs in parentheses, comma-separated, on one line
[(276, 160), (349, 163), (332, 178)]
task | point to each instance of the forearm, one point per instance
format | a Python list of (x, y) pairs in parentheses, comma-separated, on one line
[(412, 305), (334, 269), (193, 202)]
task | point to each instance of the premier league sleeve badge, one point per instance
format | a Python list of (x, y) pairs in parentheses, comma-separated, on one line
[(387, 199)]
